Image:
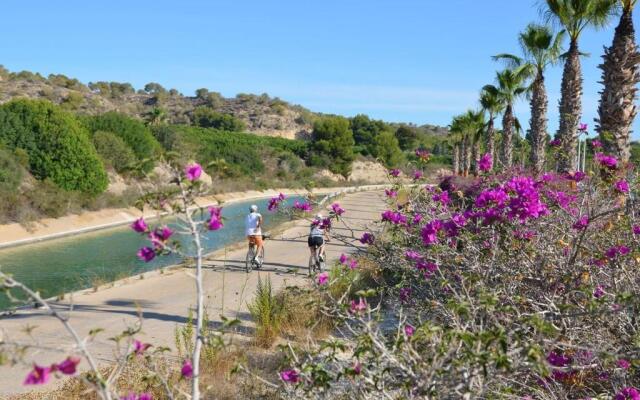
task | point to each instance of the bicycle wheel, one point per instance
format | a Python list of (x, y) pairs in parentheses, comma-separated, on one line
[(248, 263), (259, 259)]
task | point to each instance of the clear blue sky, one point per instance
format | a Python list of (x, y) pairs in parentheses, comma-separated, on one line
[(416, 61)]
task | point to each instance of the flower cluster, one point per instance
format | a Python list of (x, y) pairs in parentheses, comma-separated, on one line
[(40, 375), (304, 207), (274, 202), (337, 210)]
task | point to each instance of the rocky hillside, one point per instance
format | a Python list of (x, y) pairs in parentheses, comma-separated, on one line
[(261, 114)]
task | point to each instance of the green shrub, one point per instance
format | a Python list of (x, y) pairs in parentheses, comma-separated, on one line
[(56, 143), (205, 117), (333, 139), (266, 310), (10, 171), (113, 150), (133, 132)]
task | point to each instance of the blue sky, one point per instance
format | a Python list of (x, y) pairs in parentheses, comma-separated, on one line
[(418, 61)]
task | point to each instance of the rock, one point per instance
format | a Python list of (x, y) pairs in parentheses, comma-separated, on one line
[(117, 184), (368, 171), (326, 174)]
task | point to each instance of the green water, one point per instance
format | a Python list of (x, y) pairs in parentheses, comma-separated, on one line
[(76, 262)]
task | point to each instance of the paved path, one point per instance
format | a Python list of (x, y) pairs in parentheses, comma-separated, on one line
[(164, 299)]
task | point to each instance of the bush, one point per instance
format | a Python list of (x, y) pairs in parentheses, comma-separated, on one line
[(266, 310), (57, 145), (207, 118), (385, 147), (10, 171), (113, 150), (333, 142), (133, 132)]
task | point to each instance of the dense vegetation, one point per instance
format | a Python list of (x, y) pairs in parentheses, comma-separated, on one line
[(57, 147)]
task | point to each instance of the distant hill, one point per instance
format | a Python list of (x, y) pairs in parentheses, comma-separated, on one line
[(261, 114)]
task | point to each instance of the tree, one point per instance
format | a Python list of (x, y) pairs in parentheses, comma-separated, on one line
[(202, 93), (468, 128), (57, 145), (387, 149), (541, 48), (365, 131), (113, 150), (574, 16), (157, 116), (620, 78), (333, 141), (154, 88), (407, 137), (132, 131), (511, 85), (492, 104), (205, 117)]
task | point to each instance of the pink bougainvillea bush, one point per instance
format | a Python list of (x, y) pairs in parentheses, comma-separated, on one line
[(509, 286)]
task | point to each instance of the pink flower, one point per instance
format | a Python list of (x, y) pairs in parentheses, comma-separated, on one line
[(360, 306), (353, 263), (343, 258), (357, 368), (215, 220), (423, 154), (583, 127), (581, 223), (405, 294), (430, 232), (274, 202), (290, 376), (139, 225), (596, 144), (413, 255), (624, 364), (558, 359), (133, 396), (622, 186), (555, 143), (628, 393), (409, 330), (304, 207), (367, 238), (394, 172), (187, 369), (486, 163), (606, 161), (577, 176), (146, 254), (160, 235), (636, 229), (193, 171), (337, 210), (417, 175), (598, 292), (391, 193), (139, 348), (442, 198), (322, 279), (68, 366), (38, 376)]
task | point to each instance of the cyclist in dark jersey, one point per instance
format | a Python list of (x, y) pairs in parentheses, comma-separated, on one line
[(316, 237)]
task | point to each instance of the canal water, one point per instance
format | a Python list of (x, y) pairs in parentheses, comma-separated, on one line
[(76, 262)]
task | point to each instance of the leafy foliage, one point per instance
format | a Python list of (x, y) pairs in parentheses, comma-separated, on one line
[(333, 144), (113, 150), (57, 145), (205, 117)]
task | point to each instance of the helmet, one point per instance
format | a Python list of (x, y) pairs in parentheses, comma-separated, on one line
[(253, 208)]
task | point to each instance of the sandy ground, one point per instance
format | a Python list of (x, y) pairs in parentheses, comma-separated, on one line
[(50, 228), (165, 298)]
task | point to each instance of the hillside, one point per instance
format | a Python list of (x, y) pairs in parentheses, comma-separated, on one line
[(261, 114)]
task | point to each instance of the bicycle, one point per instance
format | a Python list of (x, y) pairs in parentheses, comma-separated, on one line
[(316, 261), (253, 260)]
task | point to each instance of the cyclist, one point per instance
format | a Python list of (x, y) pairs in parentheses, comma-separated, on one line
[(316, 238), (253, 228)]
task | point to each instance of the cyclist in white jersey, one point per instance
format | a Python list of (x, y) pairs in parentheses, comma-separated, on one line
[(253, 229), (317, 234)]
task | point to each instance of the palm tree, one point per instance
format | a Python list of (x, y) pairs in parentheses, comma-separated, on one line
[(468, 127), (492, 104), (156, 116), (540, 49), (620, 77), (574, 16), (511, 85)]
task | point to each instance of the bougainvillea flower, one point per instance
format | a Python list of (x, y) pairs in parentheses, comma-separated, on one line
[(394, 172), (146, 254), (139, 348), (68, 366), (621, 186), (596, 144), (193, 171), (606, 161), (139, 225), (337, 210), (581, 223), (360, 306), (187, 369), (417, 175), (38, 375), (628, 393), (409, 330), (485, 163), (367, 238), (290, 376), (322, 279)]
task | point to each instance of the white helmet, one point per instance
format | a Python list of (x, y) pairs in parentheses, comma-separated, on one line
[(253, 208)]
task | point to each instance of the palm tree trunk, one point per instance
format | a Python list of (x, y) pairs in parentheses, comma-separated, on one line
[(456, 159), (466, 155), (620, 76), (491, 141), (507, 137), (570, 108), (538, 124), (475, 156)]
